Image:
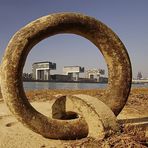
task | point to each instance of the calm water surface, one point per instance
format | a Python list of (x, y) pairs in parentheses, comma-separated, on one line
[(54, 85)]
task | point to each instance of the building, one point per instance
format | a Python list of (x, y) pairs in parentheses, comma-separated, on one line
[(139, 76), (41, 70), (27, 76), (61, 78), (73, 71), (95, 74)]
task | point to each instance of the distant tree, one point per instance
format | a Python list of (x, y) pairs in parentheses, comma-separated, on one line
[(139, 75)]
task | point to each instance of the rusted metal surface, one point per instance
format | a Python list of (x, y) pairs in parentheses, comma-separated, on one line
[(114, 52)]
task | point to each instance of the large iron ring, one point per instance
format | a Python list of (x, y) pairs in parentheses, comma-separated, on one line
[(113, 50)]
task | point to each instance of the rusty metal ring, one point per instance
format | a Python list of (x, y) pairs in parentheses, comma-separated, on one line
[(111, 47)]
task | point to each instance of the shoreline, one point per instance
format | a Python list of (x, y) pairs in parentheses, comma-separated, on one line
[(72, 81), (63, 81)]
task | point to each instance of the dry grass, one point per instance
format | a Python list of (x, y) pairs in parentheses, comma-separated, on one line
[(115, 141), (131, 137), (41, 95)]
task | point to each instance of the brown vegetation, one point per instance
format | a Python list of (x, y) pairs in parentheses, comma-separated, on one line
[(131, 136)]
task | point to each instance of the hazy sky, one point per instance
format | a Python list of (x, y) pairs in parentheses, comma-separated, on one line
[(127, 18)]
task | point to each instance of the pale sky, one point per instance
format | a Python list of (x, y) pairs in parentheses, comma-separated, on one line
[(127, 18)]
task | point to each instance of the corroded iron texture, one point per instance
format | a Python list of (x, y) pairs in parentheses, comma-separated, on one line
[(108, 43)]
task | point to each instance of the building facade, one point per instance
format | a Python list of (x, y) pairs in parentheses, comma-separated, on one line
[(41, 70), (73, 71), (95, 74)]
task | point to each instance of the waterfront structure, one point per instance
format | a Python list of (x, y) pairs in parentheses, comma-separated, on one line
[(73, 71), (139, 76), (140, 81), (41, 70), (60, 78), (94, 74), (27, 76)]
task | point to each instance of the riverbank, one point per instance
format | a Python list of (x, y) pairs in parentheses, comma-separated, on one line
[(14, 134), (63, 81)]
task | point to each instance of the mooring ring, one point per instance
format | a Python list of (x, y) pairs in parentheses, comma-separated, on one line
[(113, 50)]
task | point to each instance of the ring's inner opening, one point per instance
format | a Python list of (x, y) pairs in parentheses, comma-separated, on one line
[(65, 58), (41, 83)]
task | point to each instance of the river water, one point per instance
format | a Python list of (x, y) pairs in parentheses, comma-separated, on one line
[(55, 85)]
